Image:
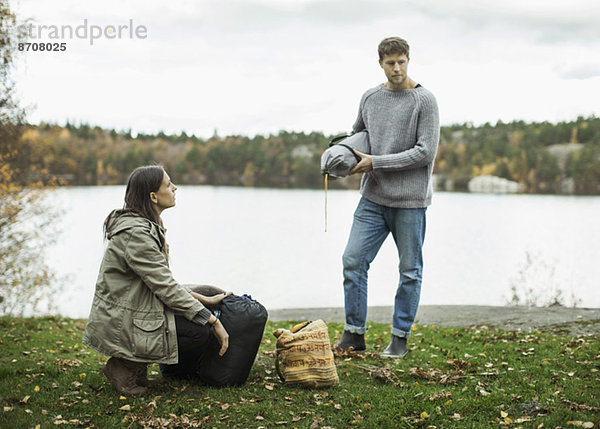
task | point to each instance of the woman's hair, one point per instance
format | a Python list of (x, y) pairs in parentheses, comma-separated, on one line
[(142, 181), (393, 45)]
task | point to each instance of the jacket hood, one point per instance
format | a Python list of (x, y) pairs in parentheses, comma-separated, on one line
[(127, 221)]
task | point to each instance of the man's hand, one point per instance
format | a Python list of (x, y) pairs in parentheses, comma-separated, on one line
[(365, 165)]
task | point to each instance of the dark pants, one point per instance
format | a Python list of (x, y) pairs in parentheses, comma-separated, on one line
[(192, 343), (190, 335)]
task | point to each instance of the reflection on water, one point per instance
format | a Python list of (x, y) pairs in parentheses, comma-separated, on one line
[(271, 244)]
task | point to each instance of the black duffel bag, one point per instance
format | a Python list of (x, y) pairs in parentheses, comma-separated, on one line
[(244, 320)]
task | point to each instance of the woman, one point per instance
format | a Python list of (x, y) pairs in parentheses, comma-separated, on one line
[(140, 314)]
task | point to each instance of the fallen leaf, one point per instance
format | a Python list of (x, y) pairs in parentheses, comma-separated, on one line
[(441, 395), (68, 362), (259, 417), (424, 415), (125, 408), (269, 386), (25, 399), (580, 407)]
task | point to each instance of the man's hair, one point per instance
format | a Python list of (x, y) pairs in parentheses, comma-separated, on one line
[(393, 45)]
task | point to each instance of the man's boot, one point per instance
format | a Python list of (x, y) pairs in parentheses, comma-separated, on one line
[(349, 339), (396, 349), (122, 374), (141, 372)]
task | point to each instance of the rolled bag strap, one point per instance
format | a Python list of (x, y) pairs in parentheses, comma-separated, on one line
[(358, 158), (334, 141), (337, 139)]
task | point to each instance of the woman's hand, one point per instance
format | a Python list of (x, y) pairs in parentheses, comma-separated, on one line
[(222, 336), (210, 300)]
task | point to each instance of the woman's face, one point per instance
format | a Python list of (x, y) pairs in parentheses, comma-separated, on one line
[(165, 196)]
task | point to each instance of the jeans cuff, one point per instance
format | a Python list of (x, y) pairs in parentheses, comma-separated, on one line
[(355, 329), (399, 333)]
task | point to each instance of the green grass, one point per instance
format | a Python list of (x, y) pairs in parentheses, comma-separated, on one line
[(452, 377)]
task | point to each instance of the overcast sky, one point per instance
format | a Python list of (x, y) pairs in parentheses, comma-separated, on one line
[(260, 66)]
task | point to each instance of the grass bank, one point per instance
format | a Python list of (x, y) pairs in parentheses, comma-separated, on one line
[(452, 377)]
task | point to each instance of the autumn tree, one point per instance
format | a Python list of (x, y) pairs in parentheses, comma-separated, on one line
[(25, 279)]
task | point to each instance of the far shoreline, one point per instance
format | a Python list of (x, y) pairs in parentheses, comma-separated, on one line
[(512, 318)]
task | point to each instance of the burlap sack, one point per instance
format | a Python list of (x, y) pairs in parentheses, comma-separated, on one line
[(305, 355)]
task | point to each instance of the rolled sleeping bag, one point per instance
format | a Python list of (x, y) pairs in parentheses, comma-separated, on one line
[(339, 158), (244, 320)]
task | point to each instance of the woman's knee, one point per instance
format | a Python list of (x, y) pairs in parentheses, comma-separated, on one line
[(190, 334)]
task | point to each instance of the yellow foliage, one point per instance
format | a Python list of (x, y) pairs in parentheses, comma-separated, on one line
[(573, 135), (488, 169), (249, 176), (64, 134), (30, 136)]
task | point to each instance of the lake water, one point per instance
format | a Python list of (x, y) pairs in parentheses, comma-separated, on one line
[(271, 244)]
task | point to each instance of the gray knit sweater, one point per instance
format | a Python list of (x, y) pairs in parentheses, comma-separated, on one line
[(404, 131)]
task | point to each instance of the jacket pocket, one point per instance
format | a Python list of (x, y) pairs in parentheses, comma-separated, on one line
[(148, 338)]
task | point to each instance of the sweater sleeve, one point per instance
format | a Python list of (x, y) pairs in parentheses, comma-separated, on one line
[(145, 259), (359, 124), (427, 139)]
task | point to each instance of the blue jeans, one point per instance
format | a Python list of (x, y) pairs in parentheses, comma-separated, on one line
[(371, 226)]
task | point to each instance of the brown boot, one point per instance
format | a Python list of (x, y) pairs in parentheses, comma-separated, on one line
[(141, 373), (122, 374)]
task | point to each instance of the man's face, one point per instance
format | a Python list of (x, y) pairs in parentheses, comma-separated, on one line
[(395, 67)]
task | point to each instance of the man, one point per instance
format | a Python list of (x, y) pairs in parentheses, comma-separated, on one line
[(402, 120)]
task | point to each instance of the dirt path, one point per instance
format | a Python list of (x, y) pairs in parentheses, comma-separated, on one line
[(575, 321)]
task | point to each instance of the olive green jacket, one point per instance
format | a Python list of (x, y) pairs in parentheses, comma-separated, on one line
[(132, 313)]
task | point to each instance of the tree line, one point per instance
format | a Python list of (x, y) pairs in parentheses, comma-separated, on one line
[(545, 157)]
